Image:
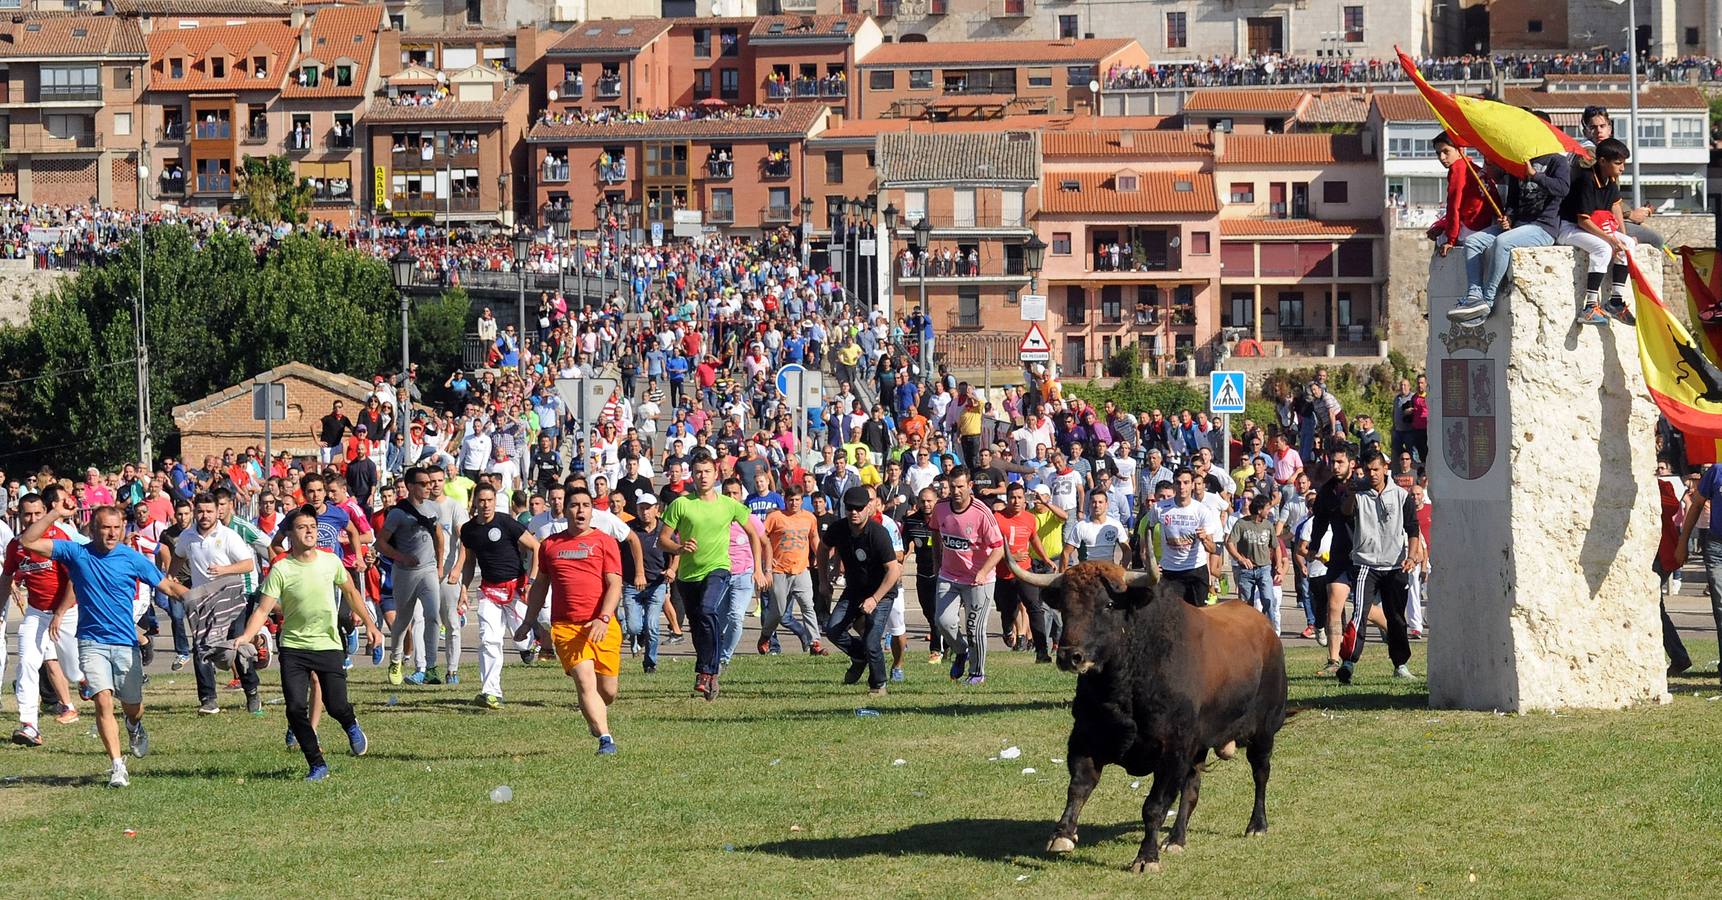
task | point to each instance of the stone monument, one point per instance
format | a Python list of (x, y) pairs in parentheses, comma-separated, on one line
[(1542, 460)]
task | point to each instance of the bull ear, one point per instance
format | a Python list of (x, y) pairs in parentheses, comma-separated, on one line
[(1136, 589)]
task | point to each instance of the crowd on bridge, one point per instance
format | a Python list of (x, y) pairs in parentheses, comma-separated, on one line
[(1275, 70)]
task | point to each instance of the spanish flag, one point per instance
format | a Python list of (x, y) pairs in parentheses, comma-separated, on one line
[(1506, 135), (1703, 276), (1682, 377)]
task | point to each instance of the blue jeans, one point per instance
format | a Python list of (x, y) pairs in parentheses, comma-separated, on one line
[(641, 611), (1713, 570), (869, 648), (740, 600), (1305, 603), (704, 602), (1476, 247), (1500, 255), (1255, 585)]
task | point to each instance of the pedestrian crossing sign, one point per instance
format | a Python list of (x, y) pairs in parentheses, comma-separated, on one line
[(1226, 392)]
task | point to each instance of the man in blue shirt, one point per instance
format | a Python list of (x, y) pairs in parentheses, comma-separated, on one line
[(105, 577), (677, 367)]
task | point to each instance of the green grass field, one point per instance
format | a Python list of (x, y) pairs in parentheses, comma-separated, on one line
[(780, 789)]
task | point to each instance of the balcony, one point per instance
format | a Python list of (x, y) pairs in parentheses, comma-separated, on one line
[(66, 93), (170, 187), (614, 173), (572, 90), (720, 169), (806, 87), (1147, 315), (775, 214), (552, 214), (776, 168), (214, 131), (721, 215), (462, 149), (422, 203), (553, 172), (171, 133), (47, 142), (333, 190), (298, 141), (339, 140), (609, 88), (777, 90), (836, 88), (256, 133), (703, 49), (215, 184)]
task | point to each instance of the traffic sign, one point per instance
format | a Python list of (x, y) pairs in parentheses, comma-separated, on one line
[(1034, 307), (1034, 346), (269, 401), (788, 378), (1226, 392)]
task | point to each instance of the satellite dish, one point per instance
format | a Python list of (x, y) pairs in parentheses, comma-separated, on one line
[(553, 95), (1094, 86), (1175, 242), (1269, 67)]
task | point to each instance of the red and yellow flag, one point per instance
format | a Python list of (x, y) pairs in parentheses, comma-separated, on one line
[(1506, 135), (1703, 276), (1682, 377)]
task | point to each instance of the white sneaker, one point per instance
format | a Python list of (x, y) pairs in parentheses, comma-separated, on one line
[(1403, 673), (1321, 637), (117, 777)]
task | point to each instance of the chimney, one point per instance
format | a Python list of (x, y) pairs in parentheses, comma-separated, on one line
[(304, 32), (297, 18), (1218, 138), (1127, 140), (1366, 137)]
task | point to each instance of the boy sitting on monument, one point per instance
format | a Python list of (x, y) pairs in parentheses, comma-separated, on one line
[(1468, 211), (1533, 208), (1588, 223)]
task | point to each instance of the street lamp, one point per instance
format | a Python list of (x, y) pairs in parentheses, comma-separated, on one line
[(403, 263), (522, 247), (806, 231), (891, 215), (1033, 254), (924, 252)]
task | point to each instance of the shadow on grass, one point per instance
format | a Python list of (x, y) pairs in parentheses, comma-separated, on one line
[(1360, 702), (994, 840), (888, 708), (458, 704), (18, 781)]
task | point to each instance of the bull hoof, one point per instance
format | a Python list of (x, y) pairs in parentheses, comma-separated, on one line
[(1060, 844), (1172, 848), (1144, 866), (1228, 751), (1256, 832)]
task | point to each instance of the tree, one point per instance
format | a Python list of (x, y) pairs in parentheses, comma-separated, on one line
[(437, 329), (270, 191)]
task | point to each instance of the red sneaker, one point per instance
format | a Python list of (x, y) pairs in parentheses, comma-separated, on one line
[(764, 646), (1348, 643), (818, 650), (1308, 631)]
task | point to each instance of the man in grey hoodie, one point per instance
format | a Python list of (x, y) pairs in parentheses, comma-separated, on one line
[(1386, 546)]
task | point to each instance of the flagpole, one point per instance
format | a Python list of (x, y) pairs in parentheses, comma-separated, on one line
[(1632, 92), (1488, 192)]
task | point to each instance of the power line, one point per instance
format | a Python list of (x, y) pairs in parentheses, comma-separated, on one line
[(109, 365)]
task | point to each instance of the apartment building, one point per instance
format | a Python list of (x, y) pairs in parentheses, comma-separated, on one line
[(988, 79), (445, 146), (322, 106), (69, 108)]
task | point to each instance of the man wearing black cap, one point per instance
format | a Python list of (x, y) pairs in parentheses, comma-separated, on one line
[(871, 571)]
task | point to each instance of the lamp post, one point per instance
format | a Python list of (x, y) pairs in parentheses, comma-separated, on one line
[(923, 250), (1033, 254), (403, 264), (146, 450), (601, 211), (522, 246), (891, 215), (806, 230)]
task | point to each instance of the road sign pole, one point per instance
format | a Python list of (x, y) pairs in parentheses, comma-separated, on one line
[(1226, 442)]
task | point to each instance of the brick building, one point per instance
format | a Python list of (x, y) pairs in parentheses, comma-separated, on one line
[(223, 420), (988, 79), (334, 75)]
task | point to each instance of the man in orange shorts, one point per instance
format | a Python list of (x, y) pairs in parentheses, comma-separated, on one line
[(581, 571)]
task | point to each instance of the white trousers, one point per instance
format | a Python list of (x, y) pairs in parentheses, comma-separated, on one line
[(1599, 251), (497, 623), (1417, 585), (34, 645)]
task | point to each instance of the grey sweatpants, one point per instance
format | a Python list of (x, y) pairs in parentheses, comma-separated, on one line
[(792, 597), (450, 611), (962, 611), (415, 590)]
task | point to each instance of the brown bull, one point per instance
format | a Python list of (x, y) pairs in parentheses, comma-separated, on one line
[(1159, 684)]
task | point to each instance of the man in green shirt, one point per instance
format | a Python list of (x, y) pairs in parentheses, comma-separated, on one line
[(696, 526), (304, 583)]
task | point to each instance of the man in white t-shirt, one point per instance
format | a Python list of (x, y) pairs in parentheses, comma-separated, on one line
[(212, 550), (1188, 533), (1096, 538)]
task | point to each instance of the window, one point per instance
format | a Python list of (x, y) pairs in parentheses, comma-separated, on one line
[(1687, 132), (1078, 75), (833, 167), (398, 21), (1127, 184), (1040, 77), (176, 68), (914, 206), (1653, 132), (343, 76), (1243, 192), (1410, 148), (1534, 26), (71, 82), (778, 204), (123, 78), (218, 67), (122, 123), (920, 79), (881, 80), (1010, 208), (1201, 243), (729, 39), (474, 12), (1336, 192), (968, 307), (702, 84), (723, 205), (729, 83), (1061, 243), (1353, 24), (963, 207), (1691, 36), (1291, 311), (1066, 27), (702, 43), (1177, 38), (309, 75), (1075, 306), (1111, 304)]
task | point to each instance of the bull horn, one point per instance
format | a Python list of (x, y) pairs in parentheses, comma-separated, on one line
[(1143, 580), (1043, 582)]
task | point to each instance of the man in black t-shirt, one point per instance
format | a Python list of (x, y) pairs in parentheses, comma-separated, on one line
[(642, 607), (988, 478), (1588, 222), (546, 465), (330, 429), (632, 485), (870, 572), (494, 545), (918, 533), (824, 575)]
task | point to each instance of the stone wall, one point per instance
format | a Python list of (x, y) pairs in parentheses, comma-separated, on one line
[(19, 284), (228, 424), (1546, 515)]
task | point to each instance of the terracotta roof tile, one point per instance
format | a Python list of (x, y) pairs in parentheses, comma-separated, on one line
[(71, 36), (923, 157), (279, 39), (1403, 108), (610, 36), (382, 111), (1244, 101), (1296, 228), (1292, 149), (795, 121), (201, 7), (975, 52), (804, 27), (1336, 108), (1659, 96), (340, 32), (1157, 193), (1069, 143)]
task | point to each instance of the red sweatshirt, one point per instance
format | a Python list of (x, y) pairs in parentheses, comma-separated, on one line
[(1466, 205)]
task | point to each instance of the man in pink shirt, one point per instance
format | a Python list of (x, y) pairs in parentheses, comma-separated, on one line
[(972, 548), (1287, 463)]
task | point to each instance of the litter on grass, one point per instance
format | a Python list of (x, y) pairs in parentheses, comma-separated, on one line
[(1028, 771), (1010, 753), (501, 794), (1135, 784), (866, 713), (776, 761), (899, 762)]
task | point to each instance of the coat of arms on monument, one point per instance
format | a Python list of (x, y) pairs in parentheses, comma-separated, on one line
[(1468, 416)]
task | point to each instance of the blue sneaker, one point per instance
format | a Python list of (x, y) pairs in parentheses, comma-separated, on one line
[(606, 746), (958, 664), (416, 678), (318, 773), (356, 740), (452, 679), (352, 642), (346, 663), (377, 655), (1592, 316), (897, 674)]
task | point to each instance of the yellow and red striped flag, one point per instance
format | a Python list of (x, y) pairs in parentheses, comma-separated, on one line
[(1683, 378), (1506, 135), (1703, 276)]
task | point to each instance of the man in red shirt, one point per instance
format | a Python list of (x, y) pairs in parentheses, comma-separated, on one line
[(45, 582), (581, 572), (1019, 528)]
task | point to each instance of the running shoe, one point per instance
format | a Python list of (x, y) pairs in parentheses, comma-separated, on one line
[(1591, 315), (318, 773), (356, 740), (818, 649), (976, 680), (394, 673), (139, 739), (254, 704), (377, 655), (66, 716), (1403, 673), (489, 701), (209, 708), (958, 664), (650, 668), (453, 678), (117, 776), (1616, 308), (432, 676), (263, 653), (1041, 659), (179, 662), (711, 686), (1343, 673), (857, 668), (1321, 637), (1473, 308), (606, 746), (935, 657), (84, 689), (1414, 635), (346, 664), (700, 680), (527, 657), (897, 674), (417, 677), (27, 736), (146, 651), (352, 642), (292, 740), (1308, 632), (677, 638), (878, 691), (233, 685), (764, 646)]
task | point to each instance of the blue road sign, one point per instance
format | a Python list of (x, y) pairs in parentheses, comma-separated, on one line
[(1226, 392), (783, 385)]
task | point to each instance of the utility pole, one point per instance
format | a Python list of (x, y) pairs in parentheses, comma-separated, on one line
[(146, 450)]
